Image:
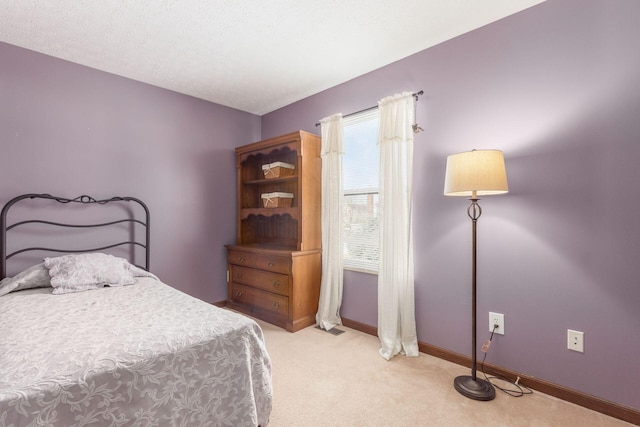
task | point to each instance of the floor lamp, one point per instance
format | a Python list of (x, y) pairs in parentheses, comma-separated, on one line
[(472, 174)]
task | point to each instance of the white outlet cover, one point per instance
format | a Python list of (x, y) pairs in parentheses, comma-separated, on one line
[(575, 340), (496, 318)]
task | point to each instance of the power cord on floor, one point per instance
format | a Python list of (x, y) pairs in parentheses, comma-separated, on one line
[(519, 389)]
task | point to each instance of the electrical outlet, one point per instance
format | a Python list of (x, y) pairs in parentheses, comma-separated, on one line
[(575, 340), (496, 319)]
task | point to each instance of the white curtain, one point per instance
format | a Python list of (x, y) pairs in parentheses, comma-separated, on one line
[(396, 307), (330, 300)]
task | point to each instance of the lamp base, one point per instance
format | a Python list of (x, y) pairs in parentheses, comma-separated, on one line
[(474, 389)]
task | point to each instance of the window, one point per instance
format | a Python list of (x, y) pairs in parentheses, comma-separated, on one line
[(360, 165)]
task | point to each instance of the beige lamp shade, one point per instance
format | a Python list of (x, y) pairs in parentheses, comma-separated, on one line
[(475, 173)]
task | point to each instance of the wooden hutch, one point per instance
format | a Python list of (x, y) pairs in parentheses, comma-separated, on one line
[(275, 265)]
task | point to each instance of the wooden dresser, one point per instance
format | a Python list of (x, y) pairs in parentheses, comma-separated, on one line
[(274, 268)]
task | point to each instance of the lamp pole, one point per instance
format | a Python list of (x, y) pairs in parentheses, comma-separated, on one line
[(474, 213), (471, 386)]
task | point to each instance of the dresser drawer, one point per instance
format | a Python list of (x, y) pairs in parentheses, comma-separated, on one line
[(274, 263), (267, 301), (272, 282), (241, 258)]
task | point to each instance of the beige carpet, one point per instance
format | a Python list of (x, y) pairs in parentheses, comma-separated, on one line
[(324, 380)]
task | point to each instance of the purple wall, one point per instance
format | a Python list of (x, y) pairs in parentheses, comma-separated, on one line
[(70, 130), (556, 87)]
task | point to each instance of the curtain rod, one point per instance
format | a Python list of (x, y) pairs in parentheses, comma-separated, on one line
[(415, 95)]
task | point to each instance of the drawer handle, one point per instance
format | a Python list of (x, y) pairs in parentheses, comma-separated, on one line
[(276, 304), (276, 283), (242, 259), (238, 293), (271, 263), (239, 275)]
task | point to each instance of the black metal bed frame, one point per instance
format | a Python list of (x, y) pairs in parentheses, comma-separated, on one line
[(83, 200)]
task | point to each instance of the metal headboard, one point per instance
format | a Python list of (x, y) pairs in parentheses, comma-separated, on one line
[(86, 200)]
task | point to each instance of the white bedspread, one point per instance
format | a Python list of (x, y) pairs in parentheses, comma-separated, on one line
[(139, 355)]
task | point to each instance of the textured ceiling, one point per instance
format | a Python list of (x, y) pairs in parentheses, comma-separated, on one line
[(253, 55)]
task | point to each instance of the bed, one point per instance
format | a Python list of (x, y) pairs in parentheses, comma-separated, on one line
[(134, 352)]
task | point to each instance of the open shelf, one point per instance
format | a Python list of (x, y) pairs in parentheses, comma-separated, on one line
[(296, 226), (280, 230)]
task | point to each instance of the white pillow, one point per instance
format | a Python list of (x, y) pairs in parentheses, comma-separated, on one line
[(36, 276), (81, 272)]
